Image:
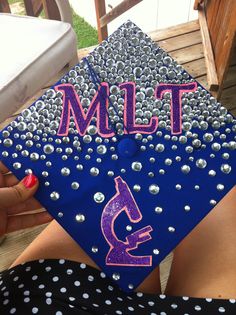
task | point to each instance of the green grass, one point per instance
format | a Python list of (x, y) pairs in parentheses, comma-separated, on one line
[(85, 33)]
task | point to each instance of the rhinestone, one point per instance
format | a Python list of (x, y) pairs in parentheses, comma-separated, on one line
[(129, 228), (45, 174), (131, 286), (47, 184), (212, 173), (156, 251), (138, 136), (212, 202), (183, 139), (201, 163), (18, 147), (60, 214), (34, 156), (137, 188), (94, 249), (68, 151), (154, 189), (75, 185), (80, 218), (185, 169), (79, 167), (189, 149), (98, 197), (152, 160), (51, 93), (160, 147), (225, 168), (58, 150), (66, 139), (220, 187), (94, 171), (178, 186), (225, 156), (136, 166), (76, 143), (232, 145), (97, 140), (215, 146), (87, 139), (101, 149), (196, 143), (158, 210), (110, 173), (92, 130), (116, 276), (65, 171), (161, 171), (48, 149), (17, 165), (196, 187), (187, 208), (21, 126), (5, 134), (7, 143), (168, 161), (221, 309), (208, 137), (5, 154), (54, 195), (28, 171), (171, 229)]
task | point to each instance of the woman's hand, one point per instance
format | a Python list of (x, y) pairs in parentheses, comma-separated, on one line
[(16, 200)]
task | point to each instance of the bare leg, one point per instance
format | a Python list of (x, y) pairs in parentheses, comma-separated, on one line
[(204, 262), (54, 242)]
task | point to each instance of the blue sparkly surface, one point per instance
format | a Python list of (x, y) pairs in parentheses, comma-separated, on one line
[(128, 149)]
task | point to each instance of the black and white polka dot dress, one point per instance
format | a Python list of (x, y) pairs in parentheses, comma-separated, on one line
[(61, 287)]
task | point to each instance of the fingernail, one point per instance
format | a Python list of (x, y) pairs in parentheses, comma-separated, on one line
[(29, 181)]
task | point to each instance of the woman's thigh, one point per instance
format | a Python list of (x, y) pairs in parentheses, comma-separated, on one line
[(55, 242), (204, 262)]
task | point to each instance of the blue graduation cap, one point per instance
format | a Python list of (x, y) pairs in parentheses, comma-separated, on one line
[(130, 151)]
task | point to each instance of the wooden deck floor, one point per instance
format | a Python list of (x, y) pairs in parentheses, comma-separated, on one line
[(184, 43)]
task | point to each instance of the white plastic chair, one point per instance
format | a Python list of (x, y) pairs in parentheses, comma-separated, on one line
[(33, 51)]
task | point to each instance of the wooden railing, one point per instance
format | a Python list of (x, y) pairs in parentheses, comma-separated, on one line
[(35, 7), (218, 26), (103, 18), (4, 6)]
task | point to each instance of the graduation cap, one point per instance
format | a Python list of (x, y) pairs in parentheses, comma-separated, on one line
[(130, 151)]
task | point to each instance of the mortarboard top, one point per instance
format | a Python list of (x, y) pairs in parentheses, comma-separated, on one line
[(130, 151)]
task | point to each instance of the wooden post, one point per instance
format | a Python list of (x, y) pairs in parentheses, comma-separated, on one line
[(222, 28), (212, 77), (197, 4), (124, 6), (51, 10), (33, 7), (4, 6), (100, 7)]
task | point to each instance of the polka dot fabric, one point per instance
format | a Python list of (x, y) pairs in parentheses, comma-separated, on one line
[(60, 287)]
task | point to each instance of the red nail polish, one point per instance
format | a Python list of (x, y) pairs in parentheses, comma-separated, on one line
[(29, 181)]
